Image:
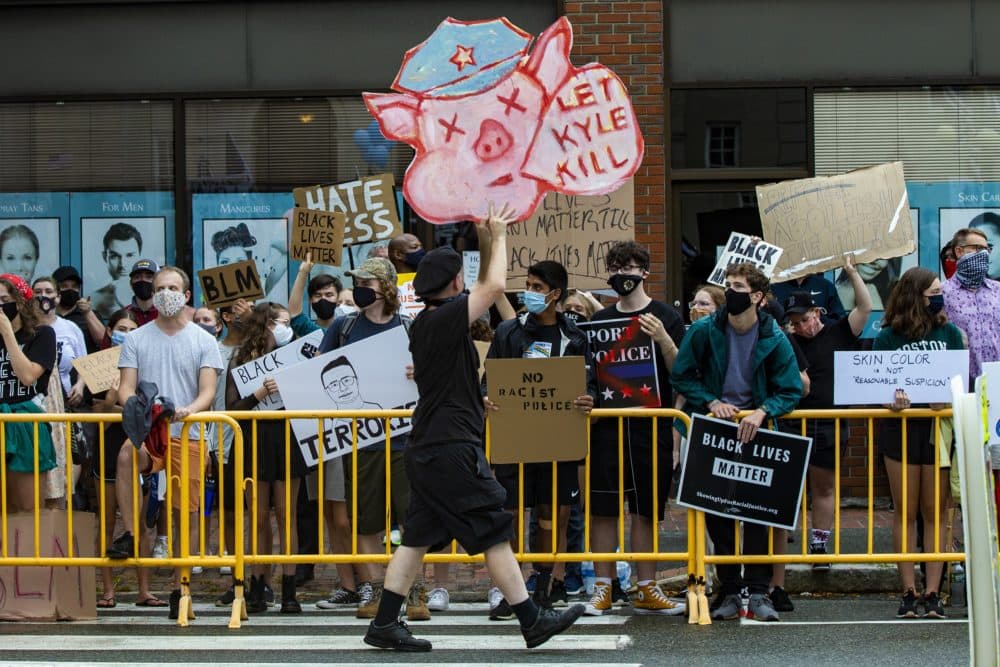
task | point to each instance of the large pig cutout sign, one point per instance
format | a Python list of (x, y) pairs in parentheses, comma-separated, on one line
[(491, 123)]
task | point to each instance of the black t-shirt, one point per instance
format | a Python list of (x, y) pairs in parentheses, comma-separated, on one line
[(40, 349), (546, 343), (446, 370), (674, 325), (819, 351)]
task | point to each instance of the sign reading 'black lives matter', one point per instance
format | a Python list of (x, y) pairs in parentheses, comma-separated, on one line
[(759, 481), (626, 364)]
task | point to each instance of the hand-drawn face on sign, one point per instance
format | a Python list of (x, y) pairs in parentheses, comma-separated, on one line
[(492, 124)]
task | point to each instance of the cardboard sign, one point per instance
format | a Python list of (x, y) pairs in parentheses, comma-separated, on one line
[(574, 230), (249, 377), (742, 248), (864, 213), (368, 205), (536, 421), (225, 285), (367, 375), (470, 266), (318, 232), (100, 369), (760, 481), (871, 378), (626, 364), (49, 593)]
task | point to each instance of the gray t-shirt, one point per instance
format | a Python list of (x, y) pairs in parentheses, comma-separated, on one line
[(172, 362), (737, 388)]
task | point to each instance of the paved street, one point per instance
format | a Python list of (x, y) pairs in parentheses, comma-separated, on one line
[(830, 631)]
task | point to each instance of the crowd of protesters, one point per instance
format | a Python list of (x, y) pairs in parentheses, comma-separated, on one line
[(751, 347)]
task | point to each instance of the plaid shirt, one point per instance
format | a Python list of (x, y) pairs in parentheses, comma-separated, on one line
[(977, 313)]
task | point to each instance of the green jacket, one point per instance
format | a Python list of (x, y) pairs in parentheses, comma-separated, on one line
[(700, 367)]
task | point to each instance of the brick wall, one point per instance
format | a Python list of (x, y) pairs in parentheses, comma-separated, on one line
[(628, 38)]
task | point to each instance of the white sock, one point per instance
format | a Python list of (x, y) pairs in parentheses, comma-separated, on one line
[(645, 582), (603, 580)]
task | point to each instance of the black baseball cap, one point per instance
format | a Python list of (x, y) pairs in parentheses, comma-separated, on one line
[(144, 265), (799, 303), (438, 268), (66, 273)]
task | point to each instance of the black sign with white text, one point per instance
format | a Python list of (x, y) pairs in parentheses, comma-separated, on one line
[(760, 481), (626, 363)]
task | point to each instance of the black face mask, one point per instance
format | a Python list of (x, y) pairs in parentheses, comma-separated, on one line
[(936, 304), (364, 296), (574, 316), (737, 302), (143, 290), (10, 310), (324, 309), (68, 298), (624, 283), (412, 259), (45, 304)]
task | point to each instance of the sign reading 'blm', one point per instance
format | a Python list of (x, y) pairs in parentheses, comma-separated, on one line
[(759, 481)]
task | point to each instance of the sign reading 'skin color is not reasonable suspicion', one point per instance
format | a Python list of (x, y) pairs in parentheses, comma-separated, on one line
[(871, 378), (759, 481)]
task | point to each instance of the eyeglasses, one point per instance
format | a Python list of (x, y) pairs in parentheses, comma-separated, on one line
[(342, 383), (977, 247), (628, 268), (700, 304)]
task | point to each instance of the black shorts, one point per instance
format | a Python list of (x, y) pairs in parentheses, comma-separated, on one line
[(227, 485), (114, 438), (453, 495), (637, 472), (920, 442), (538, 483), (270, 448), (823, 433)]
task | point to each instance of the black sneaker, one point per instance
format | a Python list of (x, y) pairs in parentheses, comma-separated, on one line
[(619, 598), (818, 550), (501, 612), (175, 604), (908, 605), (780, 600), (558, 596), (550, 623), (933, 607), (227, 598), (123, 547), (395, 636), (720, 597)]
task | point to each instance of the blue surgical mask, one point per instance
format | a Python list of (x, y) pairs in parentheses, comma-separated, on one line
[(535, 302), (118, 337)]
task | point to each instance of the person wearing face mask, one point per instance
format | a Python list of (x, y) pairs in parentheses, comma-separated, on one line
[(579, 306), (542, 332), (209, 320), (69, 339), (183, 361), (265, 329), (628, 264), (972, 298), (739, 359), (377, 297), (27, 358), (915, 320), (322, 291), (823, 292), (405, 253), (77, 310), (143, 305)]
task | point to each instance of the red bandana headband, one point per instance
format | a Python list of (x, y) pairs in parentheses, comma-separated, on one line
[(19, 284)]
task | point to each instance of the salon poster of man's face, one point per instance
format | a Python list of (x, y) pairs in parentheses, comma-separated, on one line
[(32, 228), (231, 228), (114, 230)]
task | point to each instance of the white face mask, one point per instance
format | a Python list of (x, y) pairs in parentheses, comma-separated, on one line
[(168, 303), (344, 310), (282, 334)]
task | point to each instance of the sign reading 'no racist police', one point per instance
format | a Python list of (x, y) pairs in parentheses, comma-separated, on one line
[(759, 481)]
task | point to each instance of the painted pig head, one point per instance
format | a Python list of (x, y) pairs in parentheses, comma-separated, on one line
[(490, 123)]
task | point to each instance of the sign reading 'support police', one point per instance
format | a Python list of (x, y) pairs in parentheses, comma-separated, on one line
[(759, 481)]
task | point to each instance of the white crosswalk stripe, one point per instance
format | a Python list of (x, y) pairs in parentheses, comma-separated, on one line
[(115, 637)]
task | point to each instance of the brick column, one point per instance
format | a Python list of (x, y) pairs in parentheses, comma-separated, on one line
[(628, 38)]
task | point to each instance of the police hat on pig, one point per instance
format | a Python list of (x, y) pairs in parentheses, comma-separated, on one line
[(438, 268)]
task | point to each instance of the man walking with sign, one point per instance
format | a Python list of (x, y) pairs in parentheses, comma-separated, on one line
[(738, 359), (543, 333), (628, 264), (453, 495)]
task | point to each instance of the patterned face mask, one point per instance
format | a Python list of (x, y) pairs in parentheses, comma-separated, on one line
[(169, 303), (972, 268)]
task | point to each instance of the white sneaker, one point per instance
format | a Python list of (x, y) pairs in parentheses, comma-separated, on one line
[(197, 569), (494, 597), (160, 547), (438, 599)]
